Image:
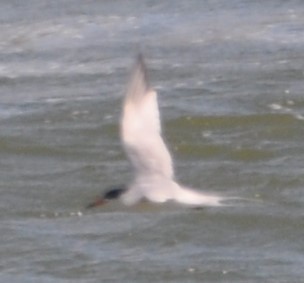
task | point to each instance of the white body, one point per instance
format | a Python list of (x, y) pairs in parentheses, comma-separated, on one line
[(146, 150)]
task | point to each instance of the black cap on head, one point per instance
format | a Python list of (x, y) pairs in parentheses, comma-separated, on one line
[(113, 193)]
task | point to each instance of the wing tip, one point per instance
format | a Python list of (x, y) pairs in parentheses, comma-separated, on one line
[(140, 58), (140, 66)]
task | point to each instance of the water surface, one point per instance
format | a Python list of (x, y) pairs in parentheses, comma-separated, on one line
[(230, 84)]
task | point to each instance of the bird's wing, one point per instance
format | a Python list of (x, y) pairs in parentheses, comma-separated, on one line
[(141, 129)]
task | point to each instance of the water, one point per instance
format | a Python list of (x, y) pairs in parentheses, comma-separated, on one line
[(230, 83)]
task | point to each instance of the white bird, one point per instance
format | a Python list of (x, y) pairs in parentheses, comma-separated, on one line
[(140, 131)]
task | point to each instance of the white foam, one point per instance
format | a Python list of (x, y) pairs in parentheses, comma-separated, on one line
[(275, 106)]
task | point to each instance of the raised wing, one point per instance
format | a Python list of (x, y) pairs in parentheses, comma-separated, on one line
[(141, 129)]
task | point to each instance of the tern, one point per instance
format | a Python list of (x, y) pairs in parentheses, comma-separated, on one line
[(140, 131)]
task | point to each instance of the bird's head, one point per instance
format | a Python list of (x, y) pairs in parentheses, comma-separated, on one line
[(110, 194)]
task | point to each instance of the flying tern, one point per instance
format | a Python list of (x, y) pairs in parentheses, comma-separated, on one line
[(140, 131)]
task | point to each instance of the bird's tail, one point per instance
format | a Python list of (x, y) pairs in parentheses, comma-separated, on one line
[(191, 197)]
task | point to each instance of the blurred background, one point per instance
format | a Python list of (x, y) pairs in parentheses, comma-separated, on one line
[(229, 75)]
